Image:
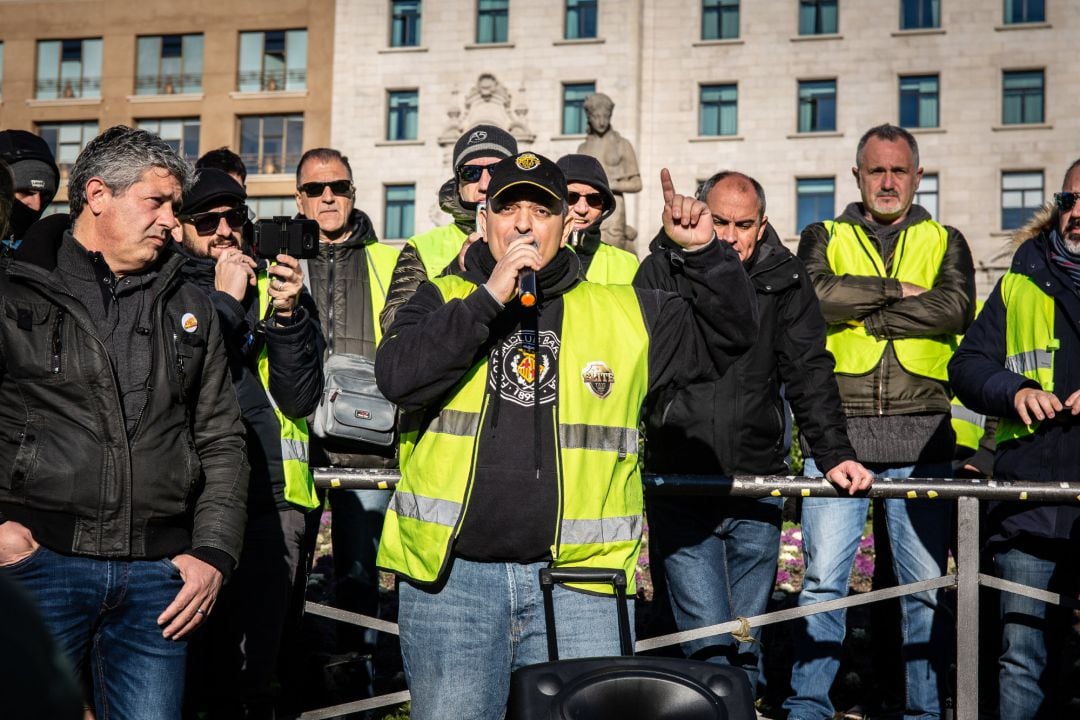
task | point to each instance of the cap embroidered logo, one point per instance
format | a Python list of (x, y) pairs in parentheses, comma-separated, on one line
[(478, 136), (527, 161)]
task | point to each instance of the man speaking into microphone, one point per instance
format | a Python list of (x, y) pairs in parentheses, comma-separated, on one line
[(527, 452)]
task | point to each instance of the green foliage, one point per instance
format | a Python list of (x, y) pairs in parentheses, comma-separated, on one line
[(795, 458)]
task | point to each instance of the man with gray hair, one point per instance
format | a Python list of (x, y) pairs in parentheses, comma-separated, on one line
[(124, 476)]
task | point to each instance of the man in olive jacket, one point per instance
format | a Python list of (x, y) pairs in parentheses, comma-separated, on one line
[(123, 475), (896, 288)]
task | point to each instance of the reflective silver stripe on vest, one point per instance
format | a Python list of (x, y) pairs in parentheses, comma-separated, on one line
[(456, 422), (959, 412), (598, 437), (294, 450), (604, 530), (432, 510), (1030, 361)]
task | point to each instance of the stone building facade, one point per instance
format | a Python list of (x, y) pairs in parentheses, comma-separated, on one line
[(776, 88)]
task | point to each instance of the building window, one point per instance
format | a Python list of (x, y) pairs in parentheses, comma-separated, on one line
[(66, 140), (400, 207), (272, 61), (817, 17), (815, 200), (404, 23), (271, 144), (1022, 97), (927, 194), (817, 105), (574, 121), (182, 134), (580, 19), (168, 64), (719, 110), (919, 101), (920, 14), (268, 208), (719, 19), (68, 69), (1021, 196), (403, 109), (492, 21), (1025, 11)]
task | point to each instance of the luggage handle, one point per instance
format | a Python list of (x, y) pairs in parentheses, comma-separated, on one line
[(615, 577)]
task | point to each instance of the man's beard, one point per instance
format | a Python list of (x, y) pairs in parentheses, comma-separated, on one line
[(1071, 236)]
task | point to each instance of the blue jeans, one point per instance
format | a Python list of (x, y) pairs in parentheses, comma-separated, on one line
[(919, 531), (1032, 633), (461, 641), (106, 611), (719, 556)]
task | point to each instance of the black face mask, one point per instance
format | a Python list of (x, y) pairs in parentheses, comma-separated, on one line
[(22, 218)]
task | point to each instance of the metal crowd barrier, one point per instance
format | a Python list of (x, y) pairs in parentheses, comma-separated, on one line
[(966, 492)]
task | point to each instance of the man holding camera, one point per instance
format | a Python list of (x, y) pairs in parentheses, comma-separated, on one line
[(274, 348), (348, 281)]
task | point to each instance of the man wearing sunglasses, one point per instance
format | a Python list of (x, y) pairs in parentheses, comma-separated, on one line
[(428, 254), (1020, 361), (274, 348), (591, 201), (348, 281)]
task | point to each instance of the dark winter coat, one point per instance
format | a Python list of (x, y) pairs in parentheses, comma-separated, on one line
[(294, 353), (978, 375), (70, 470), (734, 422)]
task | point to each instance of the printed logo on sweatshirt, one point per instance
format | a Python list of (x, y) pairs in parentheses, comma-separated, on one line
[(599, 378), (523, 365)]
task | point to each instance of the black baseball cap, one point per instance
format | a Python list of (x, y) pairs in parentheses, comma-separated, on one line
[(526, 169)]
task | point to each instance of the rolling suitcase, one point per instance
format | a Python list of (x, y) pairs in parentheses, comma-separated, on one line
[(626, 687)]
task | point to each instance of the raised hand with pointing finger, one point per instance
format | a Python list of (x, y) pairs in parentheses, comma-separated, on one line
[(687, 220)]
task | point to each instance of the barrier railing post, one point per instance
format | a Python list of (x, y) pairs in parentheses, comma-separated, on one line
[(967, 609)]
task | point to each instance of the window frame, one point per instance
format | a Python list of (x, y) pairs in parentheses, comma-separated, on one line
[(267, 80), (799, 224), (570, 104), (88, 131), (288, 157), (719, 105), (500, 31), (409, 24), (1024, 208), (583, 9), (1022, 95), (1025, 11), (87, 85), (396, 209), (181, 149), (817, 7), (920, 98), (719, 12), (814, 102), (189, 82), (924, 7), (922, 193), (402, 114)]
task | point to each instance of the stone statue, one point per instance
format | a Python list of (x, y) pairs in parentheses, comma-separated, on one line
[(617, 156)]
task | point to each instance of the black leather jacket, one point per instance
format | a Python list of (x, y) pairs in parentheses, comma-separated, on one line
[(70, 471)]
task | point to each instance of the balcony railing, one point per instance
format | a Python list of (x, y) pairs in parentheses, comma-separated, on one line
[(54, 89), (271, 80)]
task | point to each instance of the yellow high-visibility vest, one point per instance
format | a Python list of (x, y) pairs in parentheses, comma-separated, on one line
[(1030, 344), (919, 253), (602, 380)]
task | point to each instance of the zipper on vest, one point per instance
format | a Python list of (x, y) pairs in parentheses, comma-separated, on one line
[(56, 344), (558, 486)]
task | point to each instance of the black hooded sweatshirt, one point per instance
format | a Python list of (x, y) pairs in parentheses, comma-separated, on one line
[(512, 510)]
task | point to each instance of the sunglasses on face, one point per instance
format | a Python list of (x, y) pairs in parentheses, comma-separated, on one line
[(341, 188), (1065, 200), (472, 173), (207, 223), (595, 199)]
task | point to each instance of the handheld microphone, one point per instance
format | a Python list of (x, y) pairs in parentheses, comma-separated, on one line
[(527, 285)]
